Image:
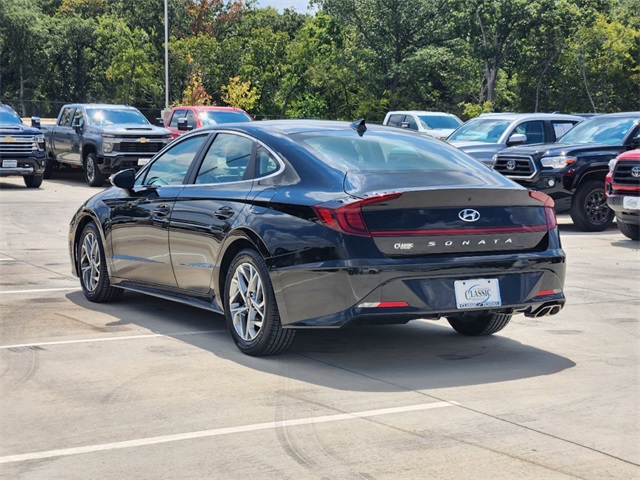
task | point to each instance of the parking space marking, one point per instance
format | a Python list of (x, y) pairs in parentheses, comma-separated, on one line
[(40, 290), (111, 339), (141, 442)]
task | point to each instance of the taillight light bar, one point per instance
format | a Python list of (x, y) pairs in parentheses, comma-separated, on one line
[(549, 204), (347, 218)]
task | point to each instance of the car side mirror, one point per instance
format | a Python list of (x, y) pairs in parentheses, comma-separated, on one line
[(35, 122), (76, 124), (124, 179), (159, 122), (517, 139), (404, 124), (183, 125)]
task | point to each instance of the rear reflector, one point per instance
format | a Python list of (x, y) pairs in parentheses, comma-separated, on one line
[(543, 293), (383, 305)]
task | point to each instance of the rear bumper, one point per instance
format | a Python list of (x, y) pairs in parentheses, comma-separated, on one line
[(332, 296)]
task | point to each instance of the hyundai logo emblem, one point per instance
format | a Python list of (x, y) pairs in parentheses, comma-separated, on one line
[(635, 171), (511, 165), (469, 215)]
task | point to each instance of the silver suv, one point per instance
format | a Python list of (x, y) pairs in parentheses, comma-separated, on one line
[(484, 136)]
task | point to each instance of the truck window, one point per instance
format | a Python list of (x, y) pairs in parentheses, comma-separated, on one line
[(178, 114), (191, 119), (413, 125), (65, 118), (395, 120), (560, 128), (533, 130), (78, 117)]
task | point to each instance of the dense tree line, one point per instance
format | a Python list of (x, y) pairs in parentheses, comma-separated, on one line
[(348, 59)]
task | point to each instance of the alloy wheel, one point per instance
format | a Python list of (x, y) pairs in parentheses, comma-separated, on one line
[(91, 170), (247, 301), (597, 208), (90, 262)]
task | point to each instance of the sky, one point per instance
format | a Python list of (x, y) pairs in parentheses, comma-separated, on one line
[(298, 5)]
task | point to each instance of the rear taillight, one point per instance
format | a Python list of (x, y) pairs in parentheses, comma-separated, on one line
[(549, 204), (347, 218)]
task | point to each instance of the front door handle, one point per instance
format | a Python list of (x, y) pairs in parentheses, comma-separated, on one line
[(162, 210), (224, 213)]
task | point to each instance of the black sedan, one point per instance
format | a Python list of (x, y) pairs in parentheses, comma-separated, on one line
[(283, 225)]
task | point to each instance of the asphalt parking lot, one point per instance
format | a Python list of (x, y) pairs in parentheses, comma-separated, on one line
[(149, 389)]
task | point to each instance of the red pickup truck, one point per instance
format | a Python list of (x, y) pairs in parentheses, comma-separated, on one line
[(622, 187), (185, 118)]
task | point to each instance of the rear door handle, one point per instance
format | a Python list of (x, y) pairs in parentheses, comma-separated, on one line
[(162, 210), (224, 213)]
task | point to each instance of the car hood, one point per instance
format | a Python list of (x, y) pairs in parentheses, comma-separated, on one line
[(558, 149), (482, 151), (18, 129), (134, 129)]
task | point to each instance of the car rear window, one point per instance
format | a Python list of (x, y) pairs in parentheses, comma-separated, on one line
[(214, 118), (383, 151)]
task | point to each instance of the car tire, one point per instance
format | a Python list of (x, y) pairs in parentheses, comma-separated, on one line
[(479, 325), (92, 174), (589, 210), (255, 328), (92, 267), (629, 230), (33, 181)]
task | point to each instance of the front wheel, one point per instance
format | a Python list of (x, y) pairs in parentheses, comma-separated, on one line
[(589, 210), (479, 325), (92, 268), (33, 181), (629, 230), (250, 308), (92, 174)]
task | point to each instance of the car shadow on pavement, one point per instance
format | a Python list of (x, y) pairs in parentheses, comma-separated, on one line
[(418, 355)]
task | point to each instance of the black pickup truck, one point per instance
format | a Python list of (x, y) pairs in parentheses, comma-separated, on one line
[(572, 170), (22, 149), (102, 139)]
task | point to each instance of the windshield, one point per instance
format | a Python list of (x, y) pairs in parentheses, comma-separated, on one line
[(111, 116), (209, 118), (9, 118), (383, 151), (610, 131), (481, 130), (433, 122)]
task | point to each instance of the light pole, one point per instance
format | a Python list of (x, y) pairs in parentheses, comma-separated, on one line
[(166, 54)]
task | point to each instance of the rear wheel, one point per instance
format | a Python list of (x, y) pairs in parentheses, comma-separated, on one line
[(479, 325), (589, 210), (33, 181), (629, 230), (92, 268), (92, 174), (250, 308)]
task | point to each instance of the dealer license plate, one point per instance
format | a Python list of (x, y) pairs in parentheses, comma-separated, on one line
[(143, 161), (631, 203), (478, 293), (9, 163)]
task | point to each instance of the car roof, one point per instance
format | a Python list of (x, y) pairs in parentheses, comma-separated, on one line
[(530, 116), (104, 106), (418, 112), (210, 108)]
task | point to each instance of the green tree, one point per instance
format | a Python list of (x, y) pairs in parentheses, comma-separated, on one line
[(240, 94)]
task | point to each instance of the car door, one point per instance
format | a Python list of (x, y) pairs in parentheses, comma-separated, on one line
[(77, 128), (140, 218), (63, 135), (207, 209)]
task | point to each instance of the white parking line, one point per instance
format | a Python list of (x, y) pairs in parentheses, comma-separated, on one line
[(140, 442), (111, 339), (40, 290)]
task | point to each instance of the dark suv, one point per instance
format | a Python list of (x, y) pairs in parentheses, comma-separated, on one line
[(572, 171), (22, 149), (484, 136)]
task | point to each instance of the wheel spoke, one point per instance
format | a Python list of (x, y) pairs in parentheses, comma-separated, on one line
[(246, 301)]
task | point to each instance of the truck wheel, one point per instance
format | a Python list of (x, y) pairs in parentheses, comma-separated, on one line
[(629, 230), (479, 325), (250, 307), (92, 173), (589, 210), (33, 181)]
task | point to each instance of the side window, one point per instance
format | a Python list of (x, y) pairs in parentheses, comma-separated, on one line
[(265, 162), (176, 116), (226, 160), (65, 118), (191, 119), (78, 117), (395, 120), (533, 130), (411, 121), (171, 167), (560, 128)]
